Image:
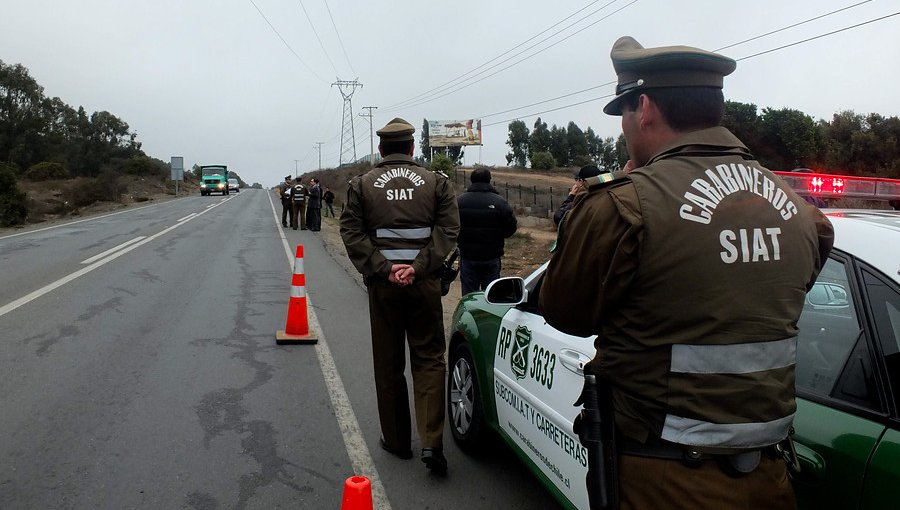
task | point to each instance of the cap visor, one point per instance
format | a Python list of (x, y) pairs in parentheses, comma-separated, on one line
[(614, 107)]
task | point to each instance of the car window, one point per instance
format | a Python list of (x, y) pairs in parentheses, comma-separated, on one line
[(885, 303), (833, 358)]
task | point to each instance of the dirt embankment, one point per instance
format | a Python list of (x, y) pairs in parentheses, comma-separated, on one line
[(61, 200)]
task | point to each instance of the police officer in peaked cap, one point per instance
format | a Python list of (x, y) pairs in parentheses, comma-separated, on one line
[(400, 223), (690, 270), (284, 193)]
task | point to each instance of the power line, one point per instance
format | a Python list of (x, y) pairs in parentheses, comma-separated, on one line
[(549, 100), (507, 51), (285, 42), (341, 41), (739, 59), (719, 49), (428, 100), (791, 26), (550, 110), (313, 27), (818, 36)]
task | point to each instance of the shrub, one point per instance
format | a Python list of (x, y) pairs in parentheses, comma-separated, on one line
[(47, 170), (442, 163), (543, 161), (106, 187), (13, 203), (145, 166), (582, 160), (85, 192)]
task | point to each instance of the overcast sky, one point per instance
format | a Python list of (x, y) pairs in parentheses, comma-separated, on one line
[(214, 82)]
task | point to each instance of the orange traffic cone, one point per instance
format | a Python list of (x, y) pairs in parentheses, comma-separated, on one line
[(296, 331), (357, 494)]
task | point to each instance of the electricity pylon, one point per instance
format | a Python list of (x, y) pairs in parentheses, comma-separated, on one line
[(348, 139)]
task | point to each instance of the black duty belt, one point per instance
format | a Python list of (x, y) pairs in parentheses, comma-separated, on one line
[(735, 464), (369, 280)]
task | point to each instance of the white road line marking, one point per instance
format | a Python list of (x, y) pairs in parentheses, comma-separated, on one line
[(356, 446), (107, 252), (82, 221), (5, 309), (186, 217)]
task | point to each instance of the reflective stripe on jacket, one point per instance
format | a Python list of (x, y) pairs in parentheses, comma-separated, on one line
[(399, 212), (710, 324)]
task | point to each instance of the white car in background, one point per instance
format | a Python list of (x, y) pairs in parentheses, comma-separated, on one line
[(234, 185)]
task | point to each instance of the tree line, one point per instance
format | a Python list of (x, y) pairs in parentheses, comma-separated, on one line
[(44, 138), (781, 139), (37, 129)]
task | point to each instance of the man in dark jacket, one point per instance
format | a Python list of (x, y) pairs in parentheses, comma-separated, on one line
[(314, 206), (485, 221), (328, 198)]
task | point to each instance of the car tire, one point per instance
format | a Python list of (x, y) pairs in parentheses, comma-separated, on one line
[(464, 408)]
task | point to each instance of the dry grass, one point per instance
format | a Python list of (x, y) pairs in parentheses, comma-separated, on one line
[(60, 199)]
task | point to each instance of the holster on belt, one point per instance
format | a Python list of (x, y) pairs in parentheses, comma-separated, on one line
[(595, 427)]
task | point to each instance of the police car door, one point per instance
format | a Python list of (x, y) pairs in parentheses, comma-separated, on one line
[(537, 376)]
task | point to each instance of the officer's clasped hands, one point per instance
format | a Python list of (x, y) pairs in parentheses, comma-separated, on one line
[(402, 274)]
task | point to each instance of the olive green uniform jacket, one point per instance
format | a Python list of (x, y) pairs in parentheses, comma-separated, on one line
[(385, 199), (400, 212), (692, 272)]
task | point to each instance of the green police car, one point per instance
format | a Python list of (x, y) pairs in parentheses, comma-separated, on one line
[(513, 375)]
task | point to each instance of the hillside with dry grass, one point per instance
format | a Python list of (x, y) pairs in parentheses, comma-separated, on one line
[(60, 199)]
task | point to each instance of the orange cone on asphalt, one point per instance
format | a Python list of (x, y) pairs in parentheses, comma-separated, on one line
[(357, 494), (296, 331)]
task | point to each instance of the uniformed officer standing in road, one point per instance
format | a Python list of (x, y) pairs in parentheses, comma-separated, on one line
[(284, 192), (692, 271), (400, 223), (299, 194)]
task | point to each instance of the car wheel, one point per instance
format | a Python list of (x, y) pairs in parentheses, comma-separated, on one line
[(463, 399)]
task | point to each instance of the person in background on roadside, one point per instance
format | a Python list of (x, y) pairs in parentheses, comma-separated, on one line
[(577, 189), (328, 198), (486, 219), (399, 224), (298, 207), (314, 206), (284, 193)]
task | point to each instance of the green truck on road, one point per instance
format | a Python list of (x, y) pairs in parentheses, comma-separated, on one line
[(213, 179)]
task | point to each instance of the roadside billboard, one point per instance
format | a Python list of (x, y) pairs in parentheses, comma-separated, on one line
[(449, 133)]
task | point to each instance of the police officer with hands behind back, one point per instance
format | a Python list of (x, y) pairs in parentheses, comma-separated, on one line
[(400, 223), (691, 269)]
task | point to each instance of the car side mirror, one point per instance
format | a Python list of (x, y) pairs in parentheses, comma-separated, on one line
[(506, 291)]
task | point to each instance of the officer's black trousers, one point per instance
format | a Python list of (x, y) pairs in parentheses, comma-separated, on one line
[(413, 315), (285, 211)]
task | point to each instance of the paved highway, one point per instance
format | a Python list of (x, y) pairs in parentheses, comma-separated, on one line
[(138, 369)]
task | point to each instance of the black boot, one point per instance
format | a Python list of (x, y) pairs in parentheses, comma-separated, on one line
[(434, 460)]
